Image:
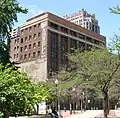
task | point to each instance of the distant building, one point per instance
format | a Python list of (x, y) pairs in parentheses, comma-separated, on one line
[(84, 19), (44, 41)]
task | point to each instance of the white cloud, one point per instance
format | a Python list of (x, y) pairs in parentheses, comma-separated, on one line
[(33, 10)]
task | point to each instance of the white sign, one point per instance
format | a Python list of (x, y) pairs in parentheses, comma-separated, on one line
[(42, 108)]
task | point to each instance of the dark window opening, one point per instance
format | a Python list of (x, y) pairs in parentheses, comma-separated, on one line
[(73, 33), (38, 53), (81, 36), (30, 37), (29, 46), (25, 39), (22, 40), (53, 25), (25, 56), (39, 44), (73, 45), (34, 54), (63, 29), (21, 49), (89, 39), (34, 45)]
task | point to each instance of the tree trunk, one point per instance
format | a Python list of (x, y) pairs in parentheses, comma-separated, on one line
[(5, 114), (106, 104), (70, 108), (81, 105), (74, 107)]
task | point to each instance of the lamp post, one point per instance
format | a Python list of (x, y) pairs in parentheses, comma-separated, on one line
[(74, 90), (58, 100)]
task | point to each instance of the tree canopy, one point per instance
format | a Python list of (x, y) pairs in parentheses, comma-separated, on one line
[(97, 68), (9, 10), (18, 94)]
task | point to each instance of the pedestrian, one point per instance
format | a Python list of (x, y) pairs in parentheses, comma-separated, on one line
[(54, 113)]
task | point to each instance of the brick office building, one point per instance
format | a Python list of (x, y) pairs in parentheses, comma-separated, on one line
[(41, 44)]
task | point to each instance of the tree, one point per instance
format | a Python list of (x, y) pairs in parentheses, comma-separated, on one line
[(97, 68), (8, 16), (115, 10), (18, 94)]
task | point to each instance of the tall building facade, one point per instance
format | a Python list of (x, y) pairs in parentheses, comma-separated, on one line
[(84, 19), (44, 41)]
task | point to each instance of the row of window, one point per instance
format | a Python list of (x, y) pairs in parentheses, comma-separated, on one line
[(30, 37), (28, 56), (30, 46), (25, 48), (73, 33), (30, 28), (26, 39)]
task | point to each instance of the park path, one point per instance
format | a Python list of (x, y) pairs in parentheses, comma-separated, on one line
[(92, 114)]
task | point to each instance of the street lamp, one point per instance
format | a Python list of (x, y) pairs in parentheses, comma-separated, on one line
[(82, 100), (74, 90), (58, 100)]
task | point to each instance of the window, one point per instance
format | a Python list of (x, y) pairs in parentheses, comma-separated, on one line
[(17, 47), (14, 48), (39, 25), (89, 39), (21, 57), (29, 55), (22, 32), (21, 49), (54, 50), (25, 56), (22, 40), (93, 28), (34, 54), (17, 55), (18, 40), (15, 41), (81, 36), (96, 42), (81, 46), (25, 39), (96, 29), (34, 45), (34, 27), (63, 29), (73, 33), (73, 45), (34, 37), (25, 48), (30, 29), (30, 37), (29, 46), (89, 47), (39, 44), (54, 65), (64, 49), (38, 34), (38, 53), (14, 56), (26, 29), (53, 25), (54, 37)]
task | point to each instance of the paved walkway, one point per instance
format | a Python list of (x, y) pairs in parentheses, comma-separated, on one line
[(92, 114)]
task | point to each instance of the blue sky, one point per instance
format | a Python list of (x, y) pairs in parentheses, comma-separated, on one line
[(108, 22)]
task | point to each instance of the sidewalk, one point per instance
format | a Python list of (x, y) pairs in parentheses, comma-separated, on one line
[(92, 114), (112, 114), (86, 114)]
